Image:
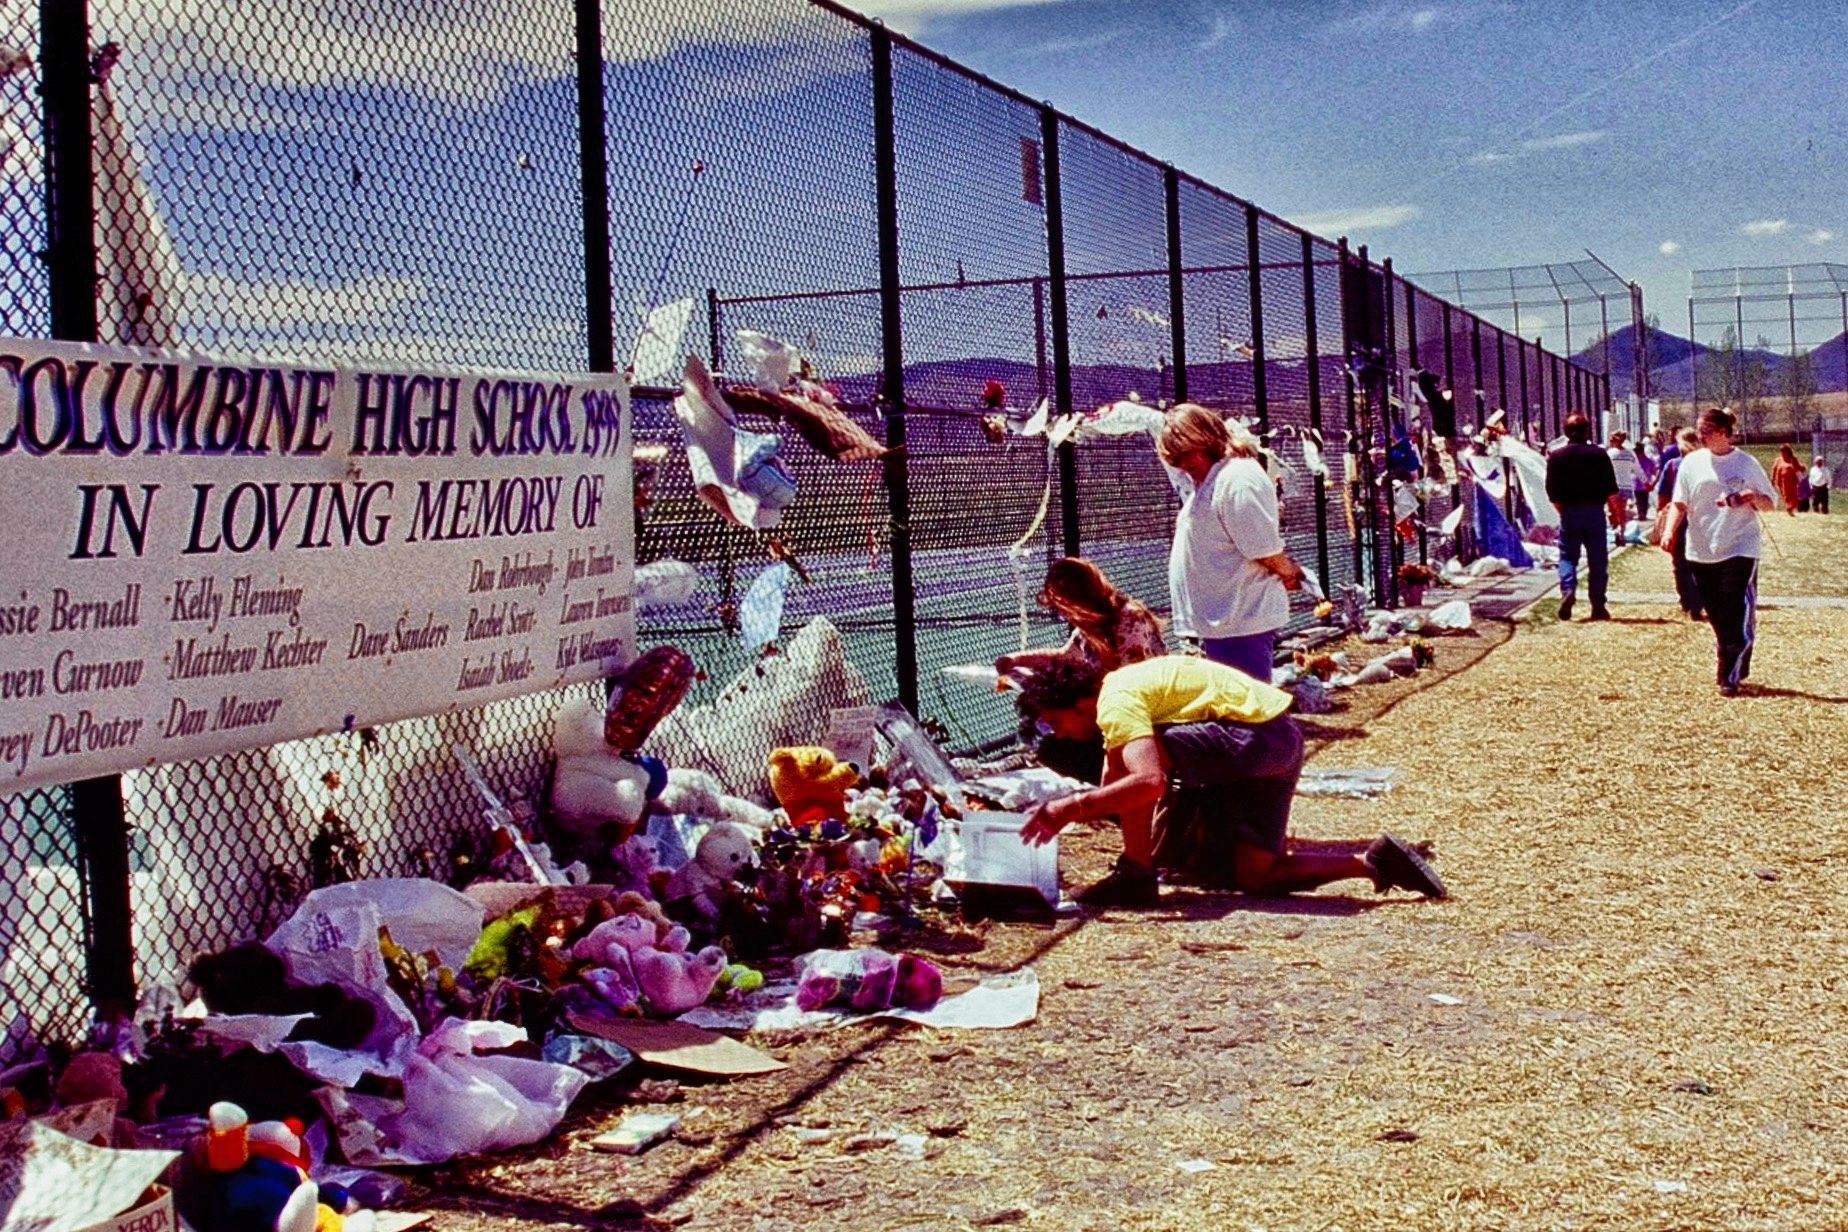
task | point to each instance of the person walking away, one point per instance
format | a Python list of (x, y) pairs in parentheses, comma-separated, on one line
[(1581, 482), (1687, 591), (1819, 480), (1784, 475), (1623, 465), (1645, 481), (1719, 493), (1227, 569), (1109, 629)]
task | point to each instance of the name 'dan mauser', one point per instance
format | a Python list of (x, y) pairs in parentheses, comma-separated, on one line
[(231, 713)]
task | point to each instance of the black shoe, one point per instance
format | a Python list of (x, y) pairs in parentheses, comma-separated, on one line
[(1600, 613), (1397, 865), (1729, 690), (1565, 608), (1128, 885)]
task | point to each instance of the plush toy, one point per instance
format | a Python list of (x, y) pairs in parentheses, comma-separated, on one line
[(810, 784), (696, 793), (253, 979), (596, 789), (673, 980), (259, 1180), (723, 852), (868, 981), (637, 861), (621, 936)]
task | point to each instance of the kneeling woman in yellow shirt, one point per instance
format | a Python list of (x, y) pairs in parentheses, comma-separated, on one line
[(1194, 737)]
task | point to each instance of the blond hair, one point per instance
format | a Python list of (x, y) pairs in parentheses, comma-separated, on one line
[(1191, 428)]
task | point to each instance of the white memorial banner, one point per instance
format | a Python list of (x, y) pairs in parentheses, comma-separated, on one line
[(202, 555)]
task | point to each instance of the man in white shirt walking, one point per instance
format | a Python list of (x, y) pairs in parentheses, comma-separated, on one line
[(1227, 571), (1719, 493), (1819, 479)]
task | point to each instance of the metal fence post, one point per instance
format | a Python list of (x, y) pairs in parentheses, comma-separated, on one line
[(1061, 323), (1312, 344), (70, 253), (1354, 467), (712, 328), (1411, 357), (892, 348), (1466, 528), (594, 175), (1527, 393), (1694, 361), (1177, 289), (1260, 388), (1501, 379), (1389, 420)]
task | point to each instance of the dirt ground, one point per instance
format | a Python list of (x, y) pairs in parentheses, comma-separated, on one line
[(1628, 1016)]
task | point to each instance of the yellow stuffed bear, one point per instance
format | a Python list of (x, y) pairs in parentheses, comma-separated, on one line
[(811, 785)]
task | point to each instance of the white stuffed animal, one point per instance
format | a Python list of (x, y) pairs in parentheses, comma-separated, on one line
[(696, 793), (722, 854), (593, 786)]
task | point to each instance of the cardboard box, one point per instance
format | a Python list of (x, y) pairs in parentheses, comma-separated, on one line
[(155, 1213), (53, 1183), (996, 859)]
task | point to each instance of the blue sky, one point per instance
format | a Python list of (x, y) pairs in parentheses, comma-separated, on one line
[(402, 179), (1663, 136)]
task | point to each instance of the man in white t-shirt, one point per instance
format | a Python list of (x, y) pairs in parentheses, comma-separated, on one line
[(1227, 569), (1719, 492), (1820, 478)]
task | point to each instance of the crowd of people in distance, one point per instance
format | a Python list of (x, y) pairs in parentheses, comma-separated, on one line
[(1709, 494)]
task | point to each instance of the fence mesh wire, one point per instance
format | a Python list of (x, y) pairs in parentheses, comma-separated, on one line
[(389, 184)]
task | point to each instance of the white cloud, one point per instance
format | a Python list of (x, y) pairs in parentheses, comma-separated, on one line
[(1413, 18), (298, 302), (1365, 218), (1820, 236), (1765, 226), (1222, 27), (1490, 157), (1566, 141), (465, 51), (1669, 248), (1075, 42), (910, 16)]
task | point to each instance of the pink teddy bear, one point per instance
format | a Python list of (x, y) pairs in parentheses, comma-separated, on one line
[(628, 953), (610, 949)]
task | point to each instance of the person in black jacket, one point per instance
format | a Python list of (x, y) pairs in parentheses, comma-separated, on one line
[(1580, 482)]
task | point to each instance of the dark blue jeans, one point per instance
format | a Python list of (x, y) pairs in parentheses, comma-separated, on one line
[(1729, 588), (1584, 527)]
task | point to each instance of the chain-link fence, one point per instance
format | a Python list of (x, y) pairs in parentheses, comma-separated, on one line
[(391, 182), (1770, 342)]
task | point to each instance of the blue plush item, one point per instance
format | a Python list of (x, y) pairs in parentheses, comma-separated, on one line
[(250, 1199), (762, 473), (657, 773), (1402, 459)]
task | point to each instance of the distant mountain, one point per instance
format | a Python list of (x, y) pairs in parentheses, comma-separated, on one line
[(1677, 359)]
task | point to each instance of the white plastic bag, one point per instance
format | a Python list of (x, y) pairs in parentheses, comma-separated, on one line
[(1451, 617), (458, 1103)]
